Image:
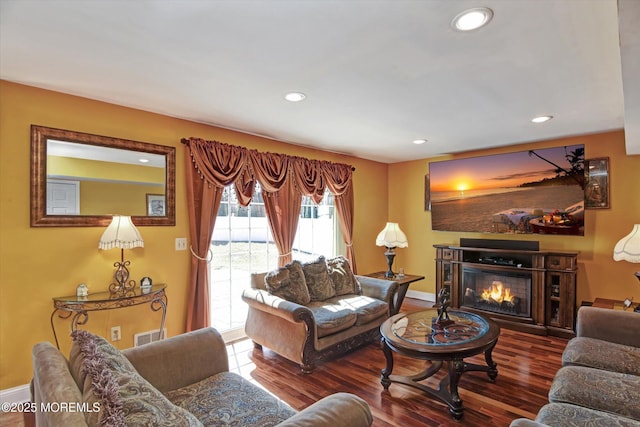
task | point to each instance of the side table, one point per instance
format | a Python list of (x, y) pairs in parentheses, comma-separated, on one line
[(613, 304), (78, 307), (403, 286)]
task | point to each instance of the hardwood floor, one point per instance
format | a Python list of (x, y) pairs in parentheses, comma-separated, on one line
[(526, 364)]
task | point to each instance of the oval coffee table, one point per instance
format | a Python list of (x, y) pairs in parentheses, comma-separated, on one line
[(416, 335)]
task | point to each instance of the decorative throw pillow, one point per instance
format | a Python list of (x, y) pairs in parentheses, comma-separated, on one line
[(344, 282), (288, 282), (120, 395), (318, 281)]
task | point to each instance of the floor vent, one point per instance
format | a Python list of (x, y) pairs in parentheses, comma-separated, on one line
[(148, 337)]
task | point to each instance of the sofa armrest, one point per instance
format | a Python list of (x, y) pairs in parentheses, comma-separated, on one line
[(336, 410), (265, 301), (381, 289), (52, 383), (181, 360), (616, 326)]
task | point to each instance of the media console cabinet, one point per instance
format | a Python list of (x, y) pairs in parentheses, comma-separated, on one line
[(512, 282)]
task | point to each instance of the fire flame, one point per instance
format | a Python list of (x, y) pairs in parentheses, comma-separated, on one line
[(497, 293)]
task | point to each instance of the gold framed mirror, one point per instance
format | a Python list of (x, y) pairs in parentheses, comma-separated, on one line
[(79, 179)]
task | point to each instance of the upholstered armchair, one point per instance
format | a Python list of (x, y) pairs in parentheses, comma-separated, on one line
[(599, 383)]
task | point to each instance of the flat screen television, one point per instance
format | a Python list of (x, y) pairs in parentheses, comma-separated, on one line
[(534, 191)]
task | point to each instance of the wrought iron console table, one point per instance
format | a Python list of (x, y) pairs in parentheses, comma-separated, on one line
[(78, 307)]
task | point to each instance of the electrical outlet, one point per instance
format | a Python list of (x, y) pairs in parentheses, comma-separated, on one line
[(116, 334), (181, 243)]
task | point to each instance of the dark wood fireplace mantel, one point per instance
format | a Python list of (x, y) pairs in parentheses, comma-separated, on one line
[(552, 273)]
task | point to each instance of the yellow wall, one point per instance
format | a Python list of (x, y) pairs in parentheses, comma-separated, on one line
[(37, 264), (106, 189), (598, 274), (107, 198), (107, 171)]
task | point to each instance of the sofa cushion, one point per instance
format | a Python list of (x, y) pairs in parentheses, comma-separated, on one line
[(594, 353), (113, 385), (227, 399), (597, 389), (288, 282), (563, 414), (366, 308), (316, 274), (343, 279), (331, 318), (110, 355)]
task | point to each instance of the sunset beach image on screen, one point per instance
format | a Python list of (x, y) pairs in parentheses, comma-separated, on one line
[(534, 191)]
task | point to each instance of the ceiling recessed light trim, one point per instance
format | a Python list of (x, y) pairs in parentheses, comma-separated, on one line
[(419, 141), (472, 19), (295, 96), (542, 119)]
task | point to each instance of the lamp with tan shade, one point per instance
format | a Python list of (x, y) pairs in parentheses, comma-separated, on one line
[(628, 249), (122, 234), (391, 237)]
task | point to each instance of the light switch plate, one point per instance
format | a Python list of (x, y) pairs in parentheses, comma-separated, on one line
[(181, 243)]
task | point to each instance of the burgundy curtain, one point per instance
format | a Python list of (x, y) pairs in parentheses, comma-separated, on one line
[(212, 165), (339, 179), (283, 213), (281, 201), (308, 178)]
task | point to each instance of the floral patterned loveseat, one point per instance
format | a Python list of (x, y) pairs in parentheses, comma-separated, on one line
[(180, 381)]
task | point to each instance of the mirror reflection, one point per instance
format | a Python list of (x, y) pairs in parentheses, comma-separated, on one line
[(84, 179), (91, 180)]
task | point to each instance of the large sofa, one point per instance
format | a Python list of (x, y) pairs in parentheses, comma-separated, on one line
[(599, 383), (307, 312), (180, 381)]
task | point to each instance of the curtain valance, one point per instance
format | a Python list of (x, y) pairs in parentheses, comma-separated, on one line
[(221, 164)]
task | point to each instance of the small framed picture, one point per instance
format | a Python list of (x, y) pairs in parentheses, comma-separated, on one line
[(596, 183), (156, 205)]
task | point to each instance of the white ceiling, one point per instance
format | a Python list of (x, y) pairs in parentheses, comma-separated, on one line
[(377, 74)]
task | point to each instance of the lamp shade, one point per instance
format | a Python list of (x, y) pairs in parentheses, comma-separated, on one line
[(628, 248), (122, 234), (392, 237)]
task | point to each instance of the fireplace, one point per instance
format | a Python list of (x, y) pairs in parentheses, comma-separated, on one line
[(497, 291), (512, 282)]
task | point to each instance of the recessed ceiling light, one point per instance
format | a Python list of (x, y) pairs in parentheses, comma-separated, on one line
[(541, 119), (295, 96), (472, 19), (143, 160), (419, 141)]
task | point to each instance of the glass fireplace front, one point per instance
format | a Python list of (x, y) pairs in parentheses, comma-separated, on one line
[(504, 292)]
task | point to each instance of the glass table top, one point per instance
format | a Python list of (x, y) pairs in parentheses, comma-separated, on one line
[(108, 296), (419, 328)]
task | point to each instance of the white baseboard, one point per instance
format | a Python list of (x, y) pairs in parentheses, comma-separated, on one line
[(18, 394), (426, 296)]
